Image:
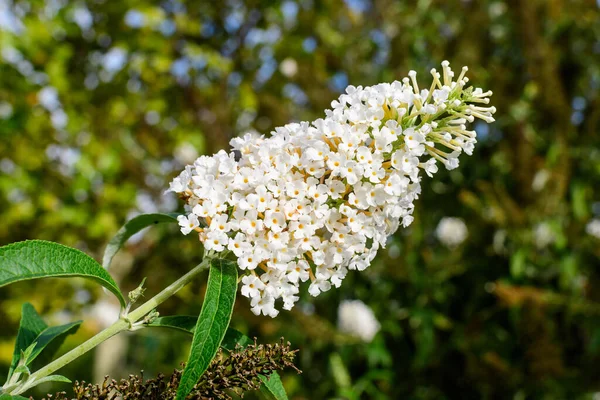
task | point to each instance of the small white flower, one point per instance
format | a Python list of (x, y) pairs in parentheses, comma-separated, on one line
[(335, 189), (302, 227), (219, 223), (216, 240), (264, 305), (319, 193), (239, 245), (357, 319), (352, 172), (251, 286), (543, 235), (278, 240), (336, 163), (250, 224), (188, 223), (288, 67), (451, 231), (248, 261), (429, 167), (540, 179), (413, 138), (593, 228), (318, 286), (275, 220), (298, 271)]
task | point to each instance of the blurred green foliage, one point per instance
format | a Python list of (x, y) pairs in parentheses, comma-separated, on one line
[(102, 103)]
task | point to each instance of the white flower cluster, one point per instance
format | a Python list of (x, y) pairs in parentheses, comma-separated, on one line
[(357, 319), (451, 231), (315, 200)]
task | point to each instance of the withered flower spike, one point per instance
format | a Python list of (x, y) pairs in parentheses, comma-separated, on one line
[(236, 372)]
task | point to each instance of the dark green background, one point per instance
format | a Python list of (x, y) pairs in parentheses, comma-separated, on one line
[(499, 317)]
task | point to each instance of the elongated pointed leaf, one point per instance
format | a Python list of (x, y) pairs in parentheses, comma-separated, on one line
[(212, 323), (30, 327), (22, 369), (130, 228), (34, 259), (50, 378), (44, 340), (52, 335), (234, 337), (185, 323), (272, 387), (48, 353)]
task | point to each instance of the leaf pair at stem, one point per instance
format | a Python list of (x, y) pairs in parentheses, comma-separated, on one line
[(34, 339)]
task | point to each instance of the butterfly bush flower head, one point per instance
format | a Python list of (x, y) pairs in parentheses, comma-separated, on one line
[(317, 199)]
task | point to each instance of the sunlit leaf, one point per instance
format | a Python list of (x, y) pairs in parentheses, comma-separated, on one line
[(33, 259)]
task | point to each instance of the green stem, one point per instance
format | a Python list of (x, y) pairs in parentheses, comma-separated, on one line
[(119, 326)]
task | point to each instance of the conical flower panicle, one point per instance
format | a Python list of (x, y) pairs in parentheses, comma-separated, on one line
[(317, 199)]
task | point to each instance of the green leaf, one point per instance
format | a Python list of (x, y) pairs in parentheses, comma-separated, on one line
[(30, 327), (185, 323), (234, 337), (578, 196), (35, 338), (212, 323), (52, 378), (130, 228), (272, 387), (340, 373), (518, 264), (10, 397), (22, 369), (33, 259), (53, 334)]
